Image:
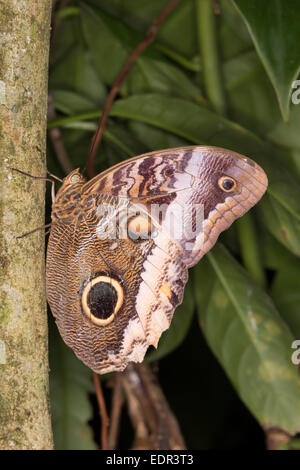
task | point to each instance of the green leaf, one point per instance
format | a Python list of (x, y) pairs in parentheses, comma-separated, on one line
[(138, 15), (63, 40), (75, 72), (250, 95), (69, 102), (274, 27), (231, 18), (286, 293), (70, 384), (287, 135), (283, 226), (110, 43), (154, 138), (178, 330), (274, 254), (199, 125), (162, 77), (250, 340), (231, 44)]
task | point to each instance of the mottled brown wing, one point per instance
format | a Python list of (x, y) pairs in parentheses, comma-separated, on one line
[(113, 296), (183, 178)]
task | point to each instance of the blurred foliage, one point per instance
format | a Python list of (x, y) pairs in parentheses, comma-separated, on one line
[(70, 406), (246, 295)]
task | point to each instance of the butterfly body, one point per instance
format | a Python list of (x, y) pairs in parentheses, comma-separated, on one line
[(121, 244)]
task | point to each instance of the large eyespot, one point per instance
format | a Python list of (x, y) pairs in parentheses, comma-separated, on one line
[(101, 299), (227, 184)]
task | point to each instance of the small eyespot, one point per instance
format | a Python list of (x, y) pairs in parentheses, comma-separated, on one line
[(101, 299), (227, 184), (139, 228)]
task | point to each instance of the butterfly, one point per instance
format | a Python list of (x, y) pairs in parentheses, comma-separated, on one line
[(121, 244)]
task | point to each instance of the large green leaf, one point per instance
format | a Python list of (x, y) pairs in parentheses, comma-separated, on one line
[(69, 102), (178, 30), (250, 340), (70, 384), (163, 77), (154, 138), (286, 293), (250, 95), (231, 17), (281, 223), (274, 27), (287, 134), (274, 254), (75, 72), (199, 125), (110, 43)]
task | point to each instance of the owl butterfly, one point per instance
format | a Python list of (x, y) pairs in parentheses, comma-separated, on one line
[(121, 244)]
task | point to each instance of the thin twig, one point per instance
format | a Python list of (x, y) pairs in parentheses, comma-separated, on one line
[(143, 437), (35, 230), (117, 403), (216, 7), (149, 38), (168, 431), (150, 410), (134, 378), (102, 411), (277, 439)]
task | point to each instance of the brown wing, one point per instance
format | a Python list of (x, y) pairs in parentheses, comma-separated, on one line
[(113, 295)]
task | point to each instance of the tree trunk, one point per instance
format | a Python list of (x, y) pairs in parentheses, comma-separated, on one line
[(24, 402)]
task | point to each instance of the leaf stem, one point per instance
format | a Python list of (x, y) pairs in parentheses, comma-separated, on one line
[(194, 65), (68, 11), (63, 121)]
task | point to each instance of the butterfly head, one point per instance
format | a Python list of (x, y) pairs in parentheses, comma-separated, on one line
[(74, 177), (70, 191), (72, 181)]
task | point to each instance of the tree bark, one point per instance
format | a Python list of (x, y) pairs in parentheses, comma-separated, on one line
[(24, 403)]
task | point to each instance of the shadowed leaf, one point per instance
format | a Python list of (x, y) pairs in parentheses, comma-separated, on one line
[(274, 27), (250, 340)]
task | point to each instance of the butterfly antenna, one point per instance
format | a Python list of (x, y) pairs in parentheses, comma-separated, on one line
[(55, 177), (43, 178), (84, 170), (35, 230), (31, 176)]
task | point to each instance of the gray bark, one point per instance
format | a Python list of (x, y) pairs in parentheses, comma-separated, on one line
[(24, 403)]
